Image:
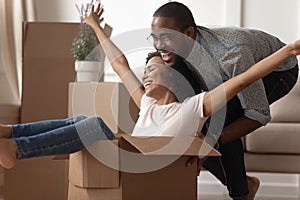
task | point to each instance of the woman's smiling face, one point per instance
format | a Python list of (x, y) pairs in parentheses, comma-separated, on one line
[(156, 79)]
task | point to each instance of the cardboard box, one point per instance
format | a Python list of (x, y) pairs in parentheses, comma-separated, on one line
[(80, 193), (9, 114), (48, 67), (129, 168), (110, 101), (149, 168), (86, 171)]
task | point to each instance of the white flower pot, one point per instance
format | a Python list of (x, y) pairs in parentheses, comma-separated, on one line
[(88, 71)]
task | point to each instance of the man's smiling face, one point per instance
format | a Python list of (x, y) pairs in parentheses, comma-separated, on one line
[(169, 39)]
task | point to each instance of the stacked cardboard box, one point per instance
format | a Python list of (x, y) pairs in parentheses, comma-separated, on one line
[(129, 168), (48, 67)]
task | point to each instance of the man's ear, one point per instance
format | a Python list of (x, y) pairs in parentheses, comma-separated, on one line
[(190, 31)]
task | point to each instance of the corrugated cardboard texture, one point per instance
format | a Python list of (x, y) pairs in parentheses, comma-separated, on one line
[(9, 114), (110, 101), (79, 193), (36, 179), (87, 171), (47, 69), (173, 182), (189, 146), (89, 178)]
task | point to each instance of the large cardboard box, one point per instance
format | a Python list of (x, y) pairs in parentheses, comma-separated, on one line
[(149, 168), (48, 67), (86, 171), (109, 100), (129, 168)]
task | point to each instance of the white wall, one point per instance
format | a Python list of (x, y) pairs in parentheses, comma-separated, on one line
[(122, 15), (207, 12), (279, 17)]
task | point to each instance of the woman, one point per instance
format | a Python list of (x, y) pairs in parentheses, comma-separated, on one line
[(160, 111)]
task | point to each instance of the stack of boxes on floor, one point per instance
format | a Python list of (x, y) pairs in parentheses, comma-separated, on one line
[(47, 69), (128, 168)]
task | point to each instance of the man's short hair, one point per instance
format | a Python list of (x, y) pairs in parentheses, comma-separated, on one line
[(177, 11)]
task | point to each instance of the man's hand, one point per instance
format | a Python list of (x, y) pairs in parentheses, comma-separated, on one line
[(199, 161), (196, 158)]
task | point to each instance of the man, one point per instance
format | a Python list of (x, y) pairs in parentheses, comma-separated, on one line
[(217, 55)]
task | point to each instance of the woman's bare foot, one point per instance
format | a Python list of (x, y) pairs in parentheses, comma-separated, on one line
[(253, 185), (8, 153), (5, 131)]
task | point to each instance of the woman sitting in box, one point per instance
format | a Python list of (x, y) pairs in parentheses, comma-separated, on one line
[(161, 114)]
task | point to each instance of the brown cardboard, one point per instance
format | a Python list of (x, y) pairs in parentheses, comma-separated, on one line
[(48, 67), (86, 171), (173, 181), (36, 179), (9, 114), (180, 145), (110, 101), (79, 193)]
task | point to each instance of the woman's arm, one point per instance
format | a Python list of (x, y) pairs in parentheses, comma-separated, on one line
[(218, 97), (115, 56)]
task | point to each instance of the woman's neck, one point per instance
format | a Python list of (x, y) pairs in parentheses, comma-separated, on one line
[(168, 98)]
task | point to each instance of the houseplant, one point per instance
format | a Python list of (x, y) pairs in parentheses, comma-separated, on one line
[(84, 49)]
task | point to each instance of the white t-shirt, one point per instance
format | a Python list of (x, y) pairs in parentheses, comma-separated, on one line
[(170, 120)]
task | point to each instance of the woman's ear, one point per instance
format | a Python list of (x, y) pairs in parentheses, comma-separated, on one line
[(190, 32)]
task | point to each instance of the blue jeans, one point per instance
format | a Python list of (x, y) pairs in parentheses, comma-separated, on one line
[(230, 168), (58, 137)]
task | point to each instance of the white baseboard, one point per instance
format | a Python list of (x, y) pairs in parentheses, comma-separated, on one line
[(279, 185)]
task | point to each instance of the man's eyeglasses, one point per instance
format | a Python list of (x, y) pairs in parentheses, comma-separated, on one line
[(165, 38)]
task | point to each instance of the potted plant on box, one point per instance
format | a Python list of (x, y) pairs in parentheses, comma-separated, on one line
[(84, 49)]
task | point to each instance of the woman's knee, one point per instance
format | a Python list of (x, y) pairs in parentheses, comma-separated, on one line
[(95, 119), (79, 118)]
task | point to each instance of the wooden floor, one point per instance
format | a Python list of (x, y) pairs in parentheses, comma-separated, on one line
[(218, 197), (215, 197)]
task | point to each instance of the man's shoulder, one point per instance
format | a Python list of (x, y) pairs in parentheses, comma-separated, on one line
[(237, 34)]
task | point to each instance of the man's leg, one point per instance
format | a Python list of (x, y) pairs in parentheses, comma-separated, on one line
[(230, 168)]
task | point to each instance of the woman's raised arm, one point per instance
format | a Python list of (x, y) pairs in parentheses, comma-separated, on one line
[(115, 56), (218, 97)]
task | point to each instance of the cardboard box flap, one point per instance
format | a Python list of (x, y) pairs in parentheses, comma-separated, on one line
[(180, 145)]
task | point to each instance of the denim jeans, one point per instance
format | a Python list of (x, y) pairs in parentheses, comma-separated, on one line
[(57, 137), (230, 168)]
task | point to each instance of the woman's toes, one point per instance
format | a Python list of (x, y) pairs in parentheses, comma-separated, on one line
[(5, 131), (8, 153)]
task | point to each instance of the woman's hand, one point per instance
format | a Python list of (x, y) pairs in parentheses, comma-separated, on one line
[(95, 16), (296, 47)]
